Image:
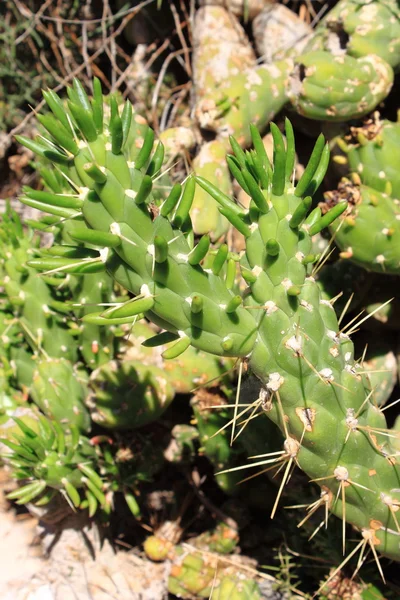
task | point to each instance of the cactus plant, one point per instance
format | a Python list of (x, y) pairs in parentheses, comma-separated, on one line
[(47, 461), (127, 394), (289, 337), (370, 151), (380, 362), (369, 213), (59, 390), (359, 29), (30, 299), (195, 576), (338, 88), (187, 372)]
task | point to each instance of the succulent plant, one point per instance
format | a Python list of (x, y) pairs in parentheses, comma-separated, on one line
[(190, 370), (359, 29), (370, 214), (195, 576), (28, 298), (47, 461), (59, 390), (370, 150), (338, 88), (127, 394), (210, 163), (289, 338)]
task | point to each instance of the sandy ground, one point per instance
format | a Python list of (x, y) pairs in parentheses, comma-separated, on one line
[(70, 572)]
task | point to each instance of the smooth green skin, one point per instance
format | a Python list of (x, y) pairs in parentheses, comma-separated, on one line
[(210, 163), (372, 28), (293, 345), (375, 160), (58, 390), (371, 232), (339, 88), (128, 394)]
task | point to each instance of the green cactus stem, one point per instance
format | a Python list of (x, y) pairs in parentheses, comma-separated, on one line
[(359, 29), (231, 92), (210, 163), (59, 390), (369, 213), (338, 88), (381, 364), (370, 151), (188, 371), (127, 394), (221, 49), (279, 326), (30, 300)]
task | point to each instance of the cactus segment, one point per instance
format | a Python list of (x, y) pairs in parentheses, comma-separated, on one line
[(128, 394), (59, 391), (29, 298), (193, 575), (359, 29), (278, 31), (220, 45), (370, 151), (210, 163), (369, 211), (380, 362), (227, 101), (338, 88)]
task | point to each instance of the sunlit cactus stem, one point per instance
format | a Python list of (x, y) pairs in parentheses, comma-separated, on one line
[(288, 336)]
